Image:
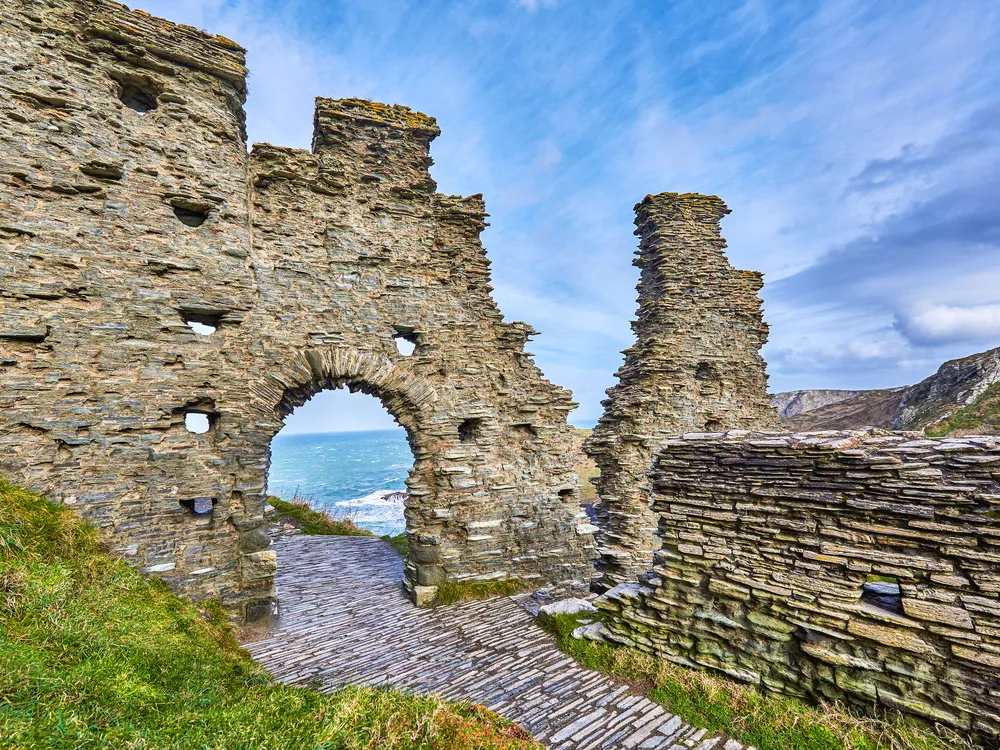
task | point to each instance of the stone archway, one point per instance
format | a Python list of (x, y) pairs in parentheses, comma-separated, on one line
[(411, 401)]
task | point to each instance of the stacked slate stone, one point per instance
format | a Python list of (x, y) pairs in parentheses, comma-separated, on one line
[(857, 566), (695, 366), (132, 217)]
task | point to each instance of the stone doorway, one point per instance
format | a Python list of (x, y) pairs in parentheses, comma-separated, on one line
[(343, 454)]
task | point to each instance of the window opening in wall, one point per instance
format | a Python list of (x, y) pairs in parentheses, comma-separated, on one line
[(705, 371), (406, 343), (200, 328), (199, 506), (470, 430), (190, 217), (139, 99), (884, 593), (201, 322), (197, 422), (343, 454)]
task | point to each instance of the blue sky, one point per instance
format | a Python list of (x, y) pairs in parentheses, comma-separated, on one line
[(857, 143)]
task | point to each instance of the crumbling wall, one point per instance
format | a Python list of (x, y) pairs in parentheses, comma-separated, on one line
[(131, 209), (695, 367), (778, 557)]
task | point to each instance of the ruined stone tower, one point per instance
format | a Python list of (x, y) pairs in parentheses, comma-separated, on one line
[(130, 209), (695, 367)]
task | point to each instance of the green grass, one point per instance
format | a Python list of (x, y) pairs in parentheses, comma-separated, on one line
[(317, 522), (981, 417), (400, 543), (92, 655), (766, 721), (452, 592)]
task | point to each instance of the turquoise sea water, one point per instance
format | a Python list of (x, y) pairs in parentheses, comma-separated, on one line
[(357, 475)]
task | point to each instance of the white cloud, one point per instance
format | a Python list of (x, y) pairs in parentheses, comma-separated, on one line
[(946, 324)]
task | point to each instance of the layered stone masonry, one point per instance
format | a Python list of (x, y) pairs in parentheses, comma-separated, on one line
[(152, 271), (857, 566), (695, 366)]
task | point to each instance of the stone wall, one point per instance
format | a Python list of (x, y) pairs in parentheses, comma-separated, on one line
[(130, 210), (771, 543), (695, 366)]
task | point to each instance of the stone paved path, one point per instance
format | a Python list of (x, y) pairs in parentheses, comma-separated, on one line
[(344, 620)]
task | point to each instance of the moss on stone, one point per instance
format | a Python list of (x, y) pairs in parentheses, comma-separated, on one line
[(452, 592)]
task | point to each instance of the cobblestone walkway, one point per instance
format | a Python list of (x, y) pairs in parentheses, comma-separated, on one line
[(344, 620)]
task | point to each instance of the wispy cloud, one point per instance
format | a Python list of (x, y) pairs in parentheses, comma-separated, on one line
[(533, 5), (857, 144)]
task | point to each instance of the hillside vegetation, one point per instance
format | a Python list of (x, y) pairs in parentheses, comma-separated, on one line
[(92, 655), (981, 417)]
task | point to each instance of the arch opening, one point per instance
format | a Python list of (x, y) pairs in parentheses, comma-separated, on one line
[(341, 451)]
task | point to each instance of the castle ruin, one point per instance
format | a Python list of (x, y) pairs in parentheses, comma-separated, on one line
[(130, 209), (152, 271)]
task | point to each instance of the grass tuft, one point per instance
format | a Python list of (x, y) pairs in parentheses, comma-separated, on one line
[(764, 720), (316, 522), (452, 592), (400, 543), (92, 655)]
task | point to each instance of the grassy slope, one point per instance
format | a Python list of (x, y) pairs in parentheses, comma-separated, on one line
[(316, 522), (768, 722), (981, 417), (92, 655), (311, 521)]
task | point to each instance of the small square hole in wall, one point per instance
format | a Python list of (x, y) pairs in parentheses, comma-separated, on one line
[(201, 324), (199, 506), (190, 217), (705, 371), (470, 430), (200, 328), (884, 593), (197, 422), (139, 98), (406, 342)]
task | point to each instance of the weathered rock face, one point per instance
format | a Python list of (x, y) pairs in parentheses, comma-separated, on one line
[(790, 403), (130, 209), (769, 542), (695, 366), (958, 384)]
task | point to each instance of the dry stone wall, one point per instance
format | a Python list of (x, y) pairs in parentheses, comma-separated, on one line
[(695, 366), (130, 209), (772, 542)]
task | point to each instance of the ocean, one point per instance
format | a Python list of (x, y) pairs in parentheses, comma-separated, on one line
[(355, 475)]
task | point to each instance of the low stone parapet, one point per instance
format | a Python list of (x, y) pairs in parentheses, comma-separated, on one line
[(859, 566)]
